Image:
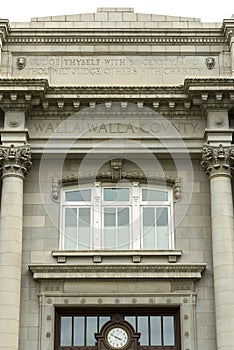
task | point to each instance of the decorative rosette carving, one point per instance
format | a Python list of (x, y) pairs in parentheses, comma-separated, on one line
[(217, 160), (15, 161)]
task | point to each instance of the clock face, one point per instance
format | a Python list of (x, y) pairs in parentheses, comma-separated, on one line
[(117, 338)]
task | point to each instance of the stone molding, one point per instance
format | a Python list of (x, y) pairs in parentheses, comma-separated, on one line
[(4, 29), (15, 161), (137, 37), (107, 176), (194, 96), (123, 271), (217, 160), (52, 296), (102, 256)]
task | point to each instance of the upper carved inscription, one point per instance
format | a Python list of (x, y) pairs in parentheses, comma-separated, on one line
[(217, 160), (114, 69), (15, 161)]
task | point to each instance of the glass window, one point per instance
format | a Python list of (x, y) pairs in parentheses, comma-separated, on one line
[(116, 194), (66, 331), (102, 217), (155, 228), (154, 195), (77, 228), (168, 330), (78, 196), (116, 228), (156, 329)]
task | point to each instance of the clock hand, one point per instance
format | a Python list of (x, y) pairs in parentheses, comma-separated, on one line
[(116, 337)]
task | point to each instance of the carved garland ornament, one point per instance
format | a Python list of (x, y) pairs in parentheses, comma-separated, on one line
[(15, 161), (217, 160)]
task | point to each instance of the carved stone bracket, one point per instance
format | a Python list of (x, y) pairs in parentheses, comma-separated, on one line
[(116, 169), (177, 190), (217, 160), (55, 188), (15, 161)]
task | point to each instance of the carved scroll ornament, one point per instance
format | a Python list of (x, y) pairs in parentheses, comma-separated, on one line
[(217, 160), (15, 161)]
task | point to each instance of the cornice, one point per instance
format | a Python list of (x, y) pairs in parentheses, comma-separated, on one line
[(120, 271), (4, 29), (212, 93), (228, 29), (113, 36)]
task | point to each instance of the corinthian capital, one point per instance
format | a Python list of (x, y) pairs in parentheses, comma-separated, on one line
[(15, 161), (217, 160)]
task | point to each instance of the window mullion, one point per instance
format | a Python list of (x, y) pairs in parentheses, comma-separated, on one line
[(135, 227), (155, 228), (77, 227), (117, 227), (97, 218)]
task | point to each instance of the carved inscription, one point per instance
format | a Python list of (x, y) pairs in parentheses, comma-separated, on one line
[(46, 128), (113, 69)]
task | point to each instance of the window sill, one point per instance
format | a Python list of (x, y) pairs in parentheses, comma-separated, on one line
[(128, 256)]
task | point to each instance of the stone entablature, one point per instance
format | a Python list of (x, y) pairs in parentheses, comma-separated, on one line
[(15, 161), (217, 160), (191, 98), (123, 271), (131, 47)]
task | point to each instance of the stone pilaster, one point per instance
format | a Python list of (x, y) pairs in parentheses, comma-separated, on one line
[(218, 162), (14, 164)]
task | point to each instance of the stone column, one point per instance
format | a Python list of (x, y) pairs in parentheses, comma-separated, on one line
[(14, 164), (217, 162)]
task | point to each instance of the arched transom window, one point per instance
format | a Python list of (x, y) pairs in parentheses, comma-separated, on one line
[(121, 217)]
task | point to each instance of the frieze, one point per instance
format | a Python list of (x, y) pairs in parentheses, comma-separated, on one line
[(109, 69), (91, 128)]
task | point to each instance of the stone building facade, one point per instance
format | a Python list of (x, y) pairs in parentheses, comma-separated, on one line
[(116, 187)]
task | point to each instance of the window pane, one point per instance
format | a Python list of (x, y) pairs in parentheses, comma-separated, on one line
[(155, 330), (143, 329), (109, 231), (79, 327), (131, 320), (70, 234), (84, 228), (162, 216), (91, 328), (149, 228), (110, 217), (123, 231), (154, 195), (102, 321), (162, 228), (116, 194), (168, 331), (78, 196), (66, 331)]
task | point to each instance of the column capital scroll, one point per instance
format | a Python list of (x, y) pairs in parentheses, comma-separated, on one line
[(15, 160), (217, 160)]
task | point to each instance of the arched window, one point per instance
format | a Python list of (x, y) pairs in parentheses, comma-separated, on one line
[(122, 217)]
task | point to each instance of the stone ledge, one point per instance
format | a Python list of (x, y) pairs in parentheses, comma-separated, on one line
[(149, 271), (98, 255)]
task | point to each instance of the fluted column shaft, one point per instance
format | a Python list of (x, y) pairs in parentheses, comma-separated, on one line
[(14, 163), (217, 162)]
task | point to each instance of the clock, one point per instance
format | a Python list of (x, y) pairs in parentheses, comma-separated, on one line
[(117, 337)]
